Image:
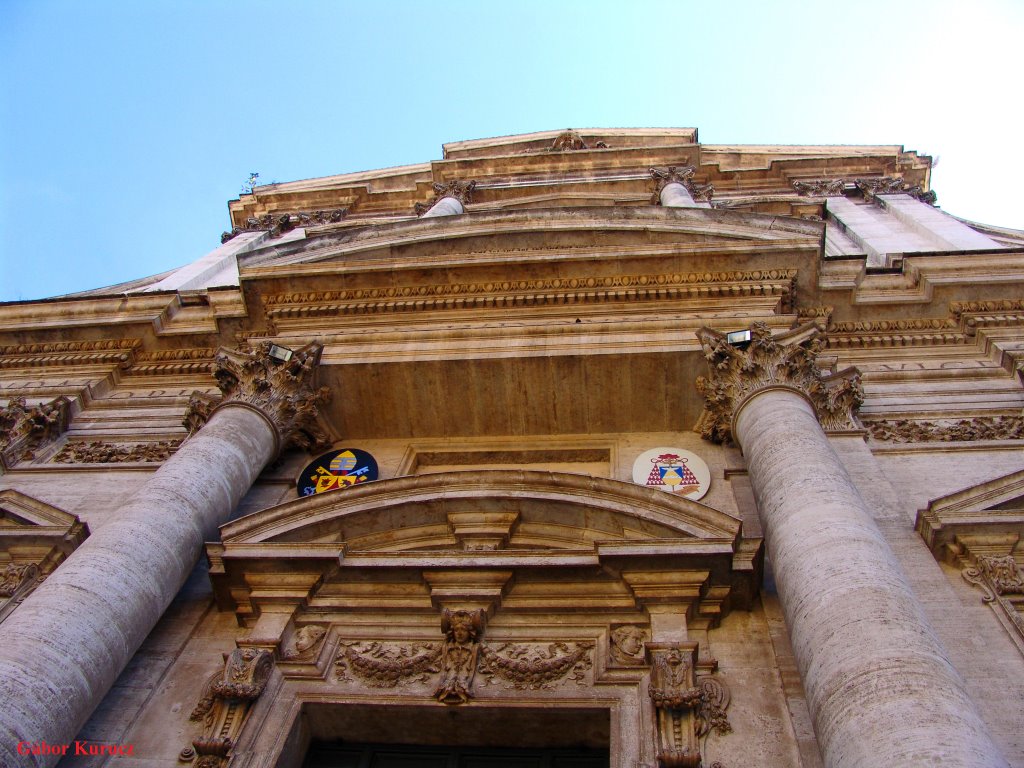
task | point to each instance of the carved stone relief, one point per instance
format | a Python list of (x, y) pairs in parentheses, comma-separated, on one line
[(462, 656), (279, 223), (820, 187), (284, 392), (536, 665), (225, 704), (386, 665), (100, 452), (25, 429), (17, 580), (738, 373), (626, 645), (979, 428), (570, 140), (688, 706), (701, 193), (1001, 580), (459, 655), (304, 642), (460, 190)]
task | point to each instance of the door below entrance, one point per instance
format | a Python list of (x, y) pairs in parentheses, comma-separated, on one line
[(323, 755)]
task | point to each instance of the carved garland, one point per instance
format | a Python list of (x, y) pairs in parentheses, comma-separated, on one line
[(99, 452), (737, 373), (980, 428), (461, 656)]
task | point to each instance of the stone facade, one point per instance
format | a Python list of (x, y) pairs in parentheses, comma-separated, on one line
[(516, 363)]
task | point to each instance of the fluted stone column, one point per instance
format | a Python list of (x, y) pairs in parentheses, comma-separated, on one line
[(449, 199), (63, 648), (675, 188), (879, 686)]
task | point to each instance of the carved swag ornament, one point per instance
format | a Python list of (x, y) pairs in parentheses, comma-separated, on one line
[(25, 429), (570, 141), (979, 428), (740, 373), (281, 391), (99, 452), (460, 190), (688, 706), (701, 193), (461, 656), (225, 704)]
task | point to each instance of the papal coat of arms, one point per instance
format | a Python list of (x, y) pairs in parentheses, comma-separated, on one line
[(673, 470), (337, 470)]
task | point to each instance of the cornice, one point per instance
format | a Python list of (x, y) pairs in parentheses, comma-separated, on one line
[(169, 362), (543, 292), (117, 352)]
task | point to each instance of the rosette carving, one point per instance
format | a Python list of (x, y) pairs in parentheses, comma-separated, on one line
[(284, 392), (740, 372)]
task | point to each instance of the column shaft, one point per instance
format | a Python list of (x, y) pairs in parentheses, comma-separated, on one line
[(446, 206), (63, 648), (878, 683), (675, 195)]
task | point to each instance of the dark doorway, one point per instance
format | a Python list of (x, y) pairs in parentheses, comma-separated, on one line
[(322, 755)]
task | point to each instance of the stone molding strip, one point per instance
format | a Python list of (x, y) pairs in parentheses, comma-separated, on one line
[(554, 291)]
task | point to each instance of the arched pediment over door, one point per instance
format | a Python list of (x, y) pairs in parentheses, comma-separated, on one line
[(500, 540), (498, 589)]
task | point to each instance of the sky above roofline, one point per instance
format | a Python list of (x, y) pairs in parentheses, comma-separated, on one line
[(126, 128)]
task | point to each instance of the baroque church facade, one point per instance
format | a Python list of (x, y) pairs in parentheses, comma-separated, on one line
[(580, 448)]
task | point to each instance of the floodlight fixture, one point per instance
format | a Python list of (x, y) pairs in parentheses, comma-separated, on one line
[(281, 354)]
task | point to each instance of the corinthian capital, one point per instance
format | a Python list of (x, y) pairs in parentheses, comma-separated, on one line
[(460, 190), (787, 361), (680, 174), (283, 391)]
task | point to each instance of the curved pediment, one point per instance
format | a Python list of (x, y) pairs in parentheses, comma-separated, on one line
[(704, 229), (494, 509)]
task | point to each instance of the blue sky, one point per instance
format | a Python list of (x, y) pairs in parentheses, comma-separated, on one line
[(125, 127)]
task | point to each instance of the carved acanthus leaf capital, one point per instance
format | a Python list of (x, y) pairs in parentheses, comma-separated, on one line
[(24, 429), (739, 372), (284, 392), (682, 174), (820, 187), (882, 185), (459, 190)]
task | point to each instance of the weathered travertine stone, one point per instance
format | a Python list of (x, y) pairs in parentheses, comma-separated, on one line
[(66, 644), (449, 199), (879, 685)]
